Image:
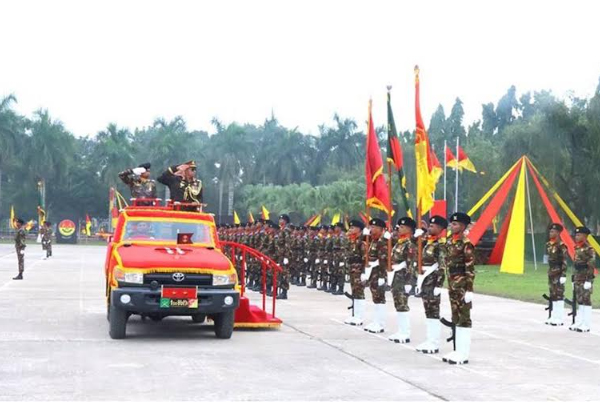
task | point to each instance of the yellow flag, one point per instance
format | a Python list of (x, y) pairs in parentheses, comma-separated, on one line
[(316, 221), (12, 217), (336, 218), (265, 213), (236, 218), (513, 260)]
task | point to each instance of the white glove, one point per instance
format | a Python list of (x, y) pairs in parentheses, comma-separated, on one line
[(342, 264), (22, 252), (380, 282), (364, 277), (138, 170), (420, 280), (317, 261), (306, 260), (399, 267), (563, 280), (407, 288), (387, 235), (587, 285), (437, 291), (419, 232), (390, 276), (468, 297), (285, 261), (366, 231), (324, 261)]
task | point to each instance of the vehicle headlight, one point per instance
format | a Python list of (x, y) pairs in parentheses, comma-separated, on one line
[(229, 279), (129, 277)]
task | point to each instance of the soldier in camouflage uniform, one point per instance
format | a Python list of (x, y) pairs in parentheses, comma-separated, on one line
[(321, 260), (338, 267), (557, 274), (270, 250), (139, 182), (355, 257), (328, 260), (283, 256), (460, 262), (301, 257), (376, 272), (20, 237), (432, 282), (46, 232), (583, 280), (404, 256), (312, 251), (256, 240)]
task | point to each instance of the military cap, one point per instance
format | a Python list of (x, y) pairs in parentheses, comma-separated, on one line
[(145, 165), (357, 224), (285, 217), (340, 225), (191, 164), (21, 221), (460, 217), (439, 220), (377, 222), (582, 229), (407, 221), (557, 226)]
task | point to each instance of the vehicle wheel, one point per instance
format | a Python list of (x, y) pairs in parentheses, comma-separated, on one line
[(224, 324), (108, 311), (156, 317), (198, 318), (118, 322)]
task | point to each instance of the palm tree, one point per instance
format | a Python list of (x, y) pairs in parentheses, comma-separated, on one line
[(113, 153), (9, 127)]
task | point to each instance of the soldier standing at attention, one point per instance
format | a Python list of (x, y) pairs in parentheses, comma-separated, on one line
[(312, 253), (355, 255), (432, 282), (338, 273), (20, 237), (182, 182), (46, 232), (283, 256), (557, 274), (139, 182), (583, 280), (404, 255), (376, 273), (460, 261)]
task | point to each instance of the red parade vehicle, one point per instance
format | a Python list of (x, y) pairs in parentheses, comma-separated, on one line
[(167, 261)]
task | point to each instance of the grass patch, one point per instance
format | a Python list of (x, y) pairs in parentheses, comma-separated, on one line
[(527, 287)]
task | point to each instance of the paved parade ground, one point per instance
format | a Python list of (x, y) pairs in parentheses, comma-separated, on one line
[(54, 345)]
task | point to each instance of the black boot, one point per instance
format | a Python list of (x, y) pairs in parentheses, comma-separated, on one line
[(282, 295), (330, 287), (18, 277), (269, 291), (302, 281), (313, 284), (340, 290)]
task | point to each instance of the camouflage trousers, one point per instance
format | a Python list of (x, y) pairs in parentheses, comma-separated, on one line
[(338, 274), (584, 297), (21, 259), (461, 311), (358, 289), (431, 303), (557, 291), (283, 277), (377, 292), (399, 295)]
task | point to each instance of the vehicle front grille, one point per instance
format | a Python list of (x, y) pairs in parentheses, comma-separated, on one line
[(190, 279)]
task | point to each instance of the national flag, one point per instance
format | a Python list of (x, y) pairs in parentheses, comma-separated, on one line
[(41, 215), (438, 170), (12, 217), (250, 217), (236, 218), (394, 154), (464, 161), (265, 213), (424, 162), (378, 195), (88, 225), (451, 159)]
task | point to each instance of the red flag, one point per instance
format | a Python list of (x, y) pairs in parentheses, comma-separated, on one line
[(425, 178), (377, 190), (438, 170), (450, 158), (464, 161)]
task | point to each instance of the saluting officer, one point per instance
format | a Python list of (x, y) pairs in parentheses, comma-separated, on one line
[(583, 280), (182, 183), (139, 182), (460, 261)]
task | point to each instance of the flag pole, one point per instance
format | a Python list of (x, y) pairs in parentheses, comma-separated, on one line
[(530, 219), (389, 220), (445, 167), (456, 183)]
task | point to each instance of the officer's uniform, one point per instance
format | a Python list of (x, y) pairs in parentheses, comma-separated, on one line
[(583, 282), (20, 237), (140, 188), (181, 189), (557, 271)]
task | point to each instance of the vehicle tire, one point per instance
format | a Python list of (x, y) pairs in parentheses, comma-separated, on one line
[(108, 311), (118, 322), (198, 318), (224, 324), (156, 317)]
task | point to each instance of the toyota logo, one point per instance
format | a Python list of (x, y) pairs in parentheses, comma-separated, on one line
[(178, 277)]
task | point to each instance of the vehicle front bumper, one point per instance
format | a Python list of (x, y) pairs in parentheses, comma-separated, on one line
[(144, 300)]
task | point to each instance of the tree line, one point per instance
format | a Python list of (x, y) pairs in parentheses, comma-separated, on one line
[(244, 166)]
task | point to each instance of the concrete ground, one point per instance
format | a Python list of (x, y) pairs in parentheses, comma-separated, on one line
[(54, 345)]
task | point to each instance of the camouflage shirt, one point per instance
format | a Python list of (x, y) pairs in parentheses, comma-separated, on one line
[(557, 258), (20, 237), (378, 251), (181, 189), (460, 261), (46, 235), (140, 188), (583, 263), (355, 250), (405, 250), (434, 251)]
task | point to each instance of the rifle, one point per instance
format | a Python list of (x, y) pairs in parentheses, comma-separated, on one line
[(572, 303), (349, 296), (549, 308), (453, 327)]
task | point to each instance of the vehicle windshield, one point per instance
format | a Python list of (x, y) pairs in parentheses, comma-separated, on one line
[(166, 231)]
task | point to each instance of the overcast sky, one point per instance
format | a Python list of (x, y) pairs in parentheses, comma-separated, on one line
[(129, 62)]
